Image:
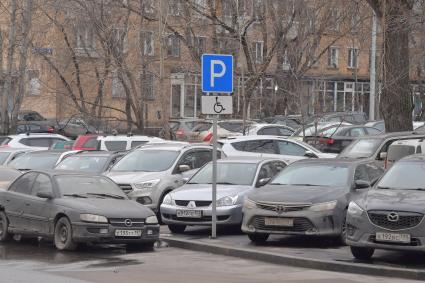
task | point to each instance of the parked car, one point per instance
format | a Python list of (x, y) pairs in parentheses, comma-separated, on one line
[(226, 128), (35, 141), (376, 147), (309, 197), (390, 216), (7, 176), (62, 145), (120, 143), (270, 130), (9, 154), (182, 129), (75, 126), (315, 130), (399, 149), (292, 122), (148, 173), (270, 146), (39, 160), (191, 203), (31, 127), (73, 208), (334, 140), (379, 124), (356, 118), (90, 161), (86, 142)]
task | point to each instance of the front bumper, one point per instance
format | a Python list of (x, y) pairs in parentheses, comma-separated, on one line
[(325, 223), (91, 233), (226, 215), (362, 233)]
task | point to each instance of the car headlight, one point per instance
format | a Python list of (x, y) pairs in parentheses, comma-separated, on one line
[(93, 218), (151, 220), (168, 199), (354, 209), (227, 201), (146, 185), (249, 204), (323, 206)]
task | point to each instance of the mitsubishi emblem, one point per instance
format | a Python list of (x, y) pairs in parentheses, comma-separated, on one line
[(191, 204)]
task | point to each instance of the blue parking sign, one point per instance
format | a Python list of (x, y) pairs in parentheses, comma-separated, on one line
[(217, 73)]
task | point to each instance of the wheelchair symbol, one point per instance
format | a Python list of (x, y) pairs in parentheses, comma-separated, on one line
[(218, 108)]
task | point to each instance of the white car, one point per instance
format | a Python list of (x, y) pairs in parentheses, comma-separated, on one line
[(270, 130), (34, 141), (121, 142), (288, 150), (9, 154)]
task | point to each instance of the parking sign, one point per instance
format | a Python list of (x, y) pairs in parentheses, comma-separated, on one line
[(217, 73)]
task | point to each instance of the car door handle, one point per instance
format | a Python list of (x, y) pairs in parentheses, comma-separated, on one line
[(27, 204), (7, 200)]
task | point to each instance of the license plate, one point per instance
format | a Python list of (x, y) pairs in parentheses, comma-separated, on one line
[(128, 233), (287, 222), (392, 237), (189, 213)]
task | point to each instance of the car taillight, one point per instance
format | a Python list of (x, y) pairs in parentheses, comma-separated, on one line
[(208, 137), (50, 129), (329, 141), (179, 132)]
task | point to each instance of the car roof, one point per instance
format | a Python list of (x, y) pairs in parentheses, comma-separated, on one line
[(331, 161), (126, 137), (247, 159), (251, 137), (52, 173), (37, 135), (98, 153), (14, 149), (407, 134), (176, 146)]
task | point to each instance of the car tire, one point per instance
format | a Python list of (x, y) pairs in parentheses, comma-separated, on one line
[(177, 229), (4, 227), (140, 246), (343, 235), (258, 238), (362, 253), (161, 199), (63, 235)]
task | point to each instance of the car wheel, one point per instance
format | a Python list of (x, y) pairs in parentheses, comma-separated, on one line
[(63, 235), (258, 238), (140, 246), (177, 229), (343, 235), (161, 199), (4, 226), (362, 253)]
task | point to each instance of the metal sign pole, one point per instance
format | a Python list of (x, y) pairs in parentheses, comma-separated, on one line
[(214, 180)]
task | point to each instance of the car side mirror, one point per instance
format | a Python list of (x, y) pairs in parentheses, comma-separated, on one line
[(382, 155), (45, 195), (183, 168), (185, 180), (263, 182), (361, 184), (310, 154)]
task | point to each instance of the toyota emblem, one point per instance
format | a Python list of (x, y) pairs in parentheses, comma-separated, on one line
[(280, 209), (128, 223), (393, 217)]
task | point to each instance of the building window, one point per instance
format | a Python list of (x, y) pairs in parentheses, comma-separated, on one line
[(117, 86), (120, 40), (286, 65), (333, 57), (149, 7), (147, 42), (334, 20), (258, 51), (225, 45), (258, 10), (173, 46), (200, 44), (34, 85), (85, 38), (352, 57), (199, 5), (175, 7), (147, 80)]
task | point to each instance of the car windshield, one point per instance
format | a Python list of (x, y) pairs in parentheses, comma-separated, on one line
[(404, 175), (147, 161), (35, 161), (83, 163), (362, 148), (4, 156), (227, 173), (329, 175), (88, 186)]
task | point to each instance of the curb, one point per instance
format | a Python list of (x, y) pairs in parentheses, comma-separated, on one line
[(278, 258)]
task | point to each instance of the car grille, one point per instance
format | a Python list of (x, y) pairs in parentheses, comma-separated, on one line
[(121, 222), (203, 219), (282, 207), (198, 203), (300, 225), (126, 188), (406, 219)]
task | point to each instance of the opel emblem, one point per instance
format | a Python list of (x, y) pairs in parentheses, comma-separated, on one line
[(280, 209), (191, 204), (393, 217), (128, 223)]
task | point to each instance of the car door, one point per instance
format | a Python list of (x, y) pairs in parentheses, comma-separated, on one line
[(39, 210), (16, 199)]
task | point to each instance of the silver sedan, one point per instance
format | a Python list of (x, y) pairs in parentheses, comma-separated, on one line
[(191, 203)]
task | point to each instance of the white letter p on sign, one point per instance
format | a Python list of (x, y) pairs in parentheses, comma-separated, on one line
[(217, 75)]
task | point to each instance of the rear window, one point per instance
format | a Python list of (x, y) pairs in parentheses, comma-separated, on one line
[(137, 143), (37, 142), (115, 145), (398, 151)]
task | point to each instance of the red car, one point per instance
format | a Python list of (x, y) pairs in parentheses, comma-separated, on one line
[(86, 142)]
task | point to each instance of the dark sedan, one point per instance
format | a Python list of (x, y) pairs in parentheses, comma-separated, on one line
[(309, 197), (74, 208), (92, 161)]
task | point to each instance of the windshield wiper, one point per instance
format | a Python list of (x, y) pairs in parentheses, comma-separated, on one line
[(384, 188), (307, 185), (417, 189), (106, 195), (75, 195), (225, 183)]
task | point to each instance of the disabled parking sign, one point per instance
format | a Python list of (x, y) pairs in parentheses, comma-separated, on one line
[(217, 73)]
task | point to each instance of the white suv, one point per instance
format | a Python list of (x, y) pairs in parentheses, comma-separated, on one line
[(34, 141), (288, 150), (121, 142)]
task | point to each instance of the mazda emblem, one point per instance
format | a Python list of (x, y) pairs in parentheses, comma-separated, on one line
[(393, 217), (128, 223)]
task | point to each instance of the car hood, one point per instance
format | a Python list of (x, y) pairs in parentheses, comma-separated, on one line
[(133, 177), (327, 155), (390, 199), (204, 191), (100, 206), (297, 194)]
